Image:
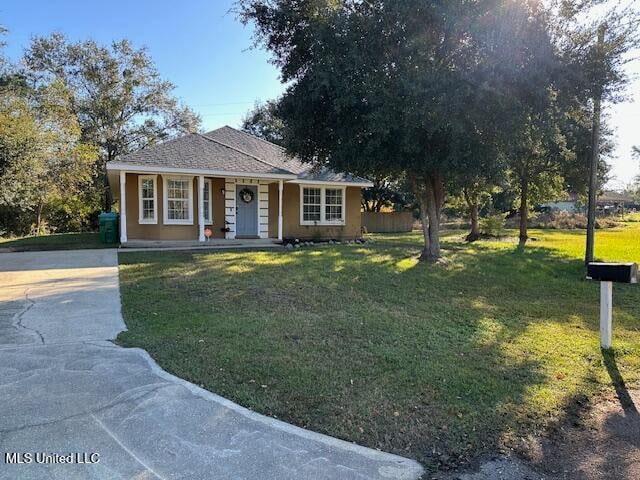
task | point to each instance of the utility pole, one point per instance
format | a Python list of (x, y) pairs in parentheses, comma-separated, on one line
[(595, 151)]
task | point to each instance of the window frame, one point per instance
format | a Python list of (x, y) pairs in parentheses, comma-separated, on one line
[(207, 211), (323, 204), (141, 219), (165, 198)]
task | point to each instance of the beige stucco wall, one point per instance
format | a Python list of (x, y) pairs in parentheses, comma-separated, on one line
[(290, 213), (159, 231), (291, 216)]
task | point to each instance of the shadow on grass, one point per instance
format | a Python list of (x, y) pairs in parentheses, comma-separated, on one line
[(594, 437), (366, 344)]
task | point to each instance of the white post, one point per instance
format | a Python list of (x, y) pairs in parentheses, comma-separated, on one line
[(123, 207), (201, 237), (280, 187), (606, 304)]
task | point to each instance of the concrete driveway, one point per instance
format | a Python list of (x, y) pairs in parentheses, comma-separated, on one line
[(68, 393)]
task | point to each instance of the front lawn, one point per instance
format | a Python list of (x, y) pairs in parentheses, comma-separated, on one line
[(364, 343), (60, 241)]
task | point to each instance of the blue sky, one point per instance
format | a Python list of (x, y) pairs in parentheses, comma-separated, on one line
[(206, 52)]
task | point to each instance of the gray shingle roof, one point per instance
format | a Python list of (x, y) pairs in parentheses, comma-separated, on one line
[(229, 150), (196, 151)]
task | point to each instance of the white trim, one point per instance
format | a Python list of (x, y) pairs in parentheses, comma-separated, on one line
[(230, 208), (318, 183), (263, 209), (154, 220), (323, 212), (208, 220), (165, 198), (123, 206), (195, 171)]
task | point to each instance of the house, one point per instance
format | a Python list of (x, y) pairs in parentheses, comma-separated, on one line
[(570, 203), (608, 202), (228, 184)]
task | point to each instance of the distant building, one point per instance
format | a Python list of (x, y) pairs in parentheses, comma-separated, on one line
[(608, 202)]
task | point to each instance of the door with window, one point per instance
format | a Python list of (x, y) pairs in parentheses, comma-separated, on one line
[(246, 211)]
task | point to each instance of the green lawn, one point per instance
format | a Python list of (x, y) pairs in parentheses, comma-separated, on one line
[(61, 241), (364, 343)]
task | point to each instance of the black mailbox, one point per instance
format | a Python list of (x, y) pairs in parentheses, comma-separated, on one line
[(613, 272)]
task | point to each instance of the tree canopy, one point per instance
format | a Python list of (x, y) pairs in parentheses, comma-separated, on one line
[(121, 101)]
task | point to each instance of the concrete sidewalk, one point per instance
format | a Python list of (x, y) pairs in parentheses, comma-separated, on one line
[(64, 388)]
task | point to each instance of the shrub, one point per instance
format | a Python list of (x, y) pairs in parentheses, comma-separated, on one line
[(493, 225)]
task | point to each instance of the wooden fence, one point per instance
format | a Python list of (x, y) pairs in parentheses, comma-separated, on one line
[(376, 222)]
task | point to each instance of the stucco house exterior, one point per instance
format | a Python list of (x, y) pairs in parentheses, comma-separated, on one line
[(231, 185)]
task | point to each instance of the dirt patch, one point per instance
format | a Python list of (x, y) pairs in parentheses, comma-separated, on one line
[(600, 441), (603, 442)]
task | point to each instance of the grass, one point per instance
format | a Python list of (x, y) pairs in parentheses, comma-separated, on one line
[(61, 241), (364, 343)]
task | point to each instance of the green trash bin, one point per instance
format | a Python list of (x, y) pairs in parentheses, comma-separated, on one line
[(108, 227)]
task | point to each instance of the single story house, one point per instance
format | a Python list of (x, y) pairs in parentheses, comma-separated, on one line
[(609, 201), (228, 184)]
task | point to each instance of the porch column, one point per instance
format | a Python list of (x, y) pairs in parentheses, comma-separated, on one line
[(200, 208), (123, 207), (280, 187)]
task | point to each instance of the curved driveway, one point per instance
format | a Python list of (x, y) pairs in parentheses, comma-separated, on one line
[(65, 388)]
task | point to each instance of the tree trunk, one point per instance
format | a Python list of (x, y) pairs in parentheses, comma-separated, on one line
[(430, 195), (474, 234), (595, 150), (524, 213), (39, 218), (422, 203), (107, 197)]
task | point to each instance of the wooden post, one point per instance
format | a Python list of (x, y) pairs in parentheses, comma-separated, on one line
[(595, 150), (280, 188), (123, 207), (606, 313), (201, 236)]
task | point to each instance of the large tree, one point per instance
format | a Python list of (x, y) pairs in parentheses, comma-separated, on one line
[(121, 102), (397, 87), (43, 161), (264, 122)]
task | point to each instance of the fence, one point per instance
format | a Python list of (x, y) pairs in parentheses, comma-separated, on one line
[(387, 222)]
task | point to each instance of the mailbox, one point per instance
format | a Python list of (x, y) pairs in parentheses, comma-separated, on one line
[(613, 272), (606, 274)]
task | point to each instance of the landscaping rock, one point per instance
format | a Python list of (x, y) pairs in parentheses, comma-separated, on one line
[(288, 246)]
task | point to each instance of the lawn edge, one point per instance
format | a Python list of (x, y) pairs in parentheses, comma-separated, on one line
[(406, 468)]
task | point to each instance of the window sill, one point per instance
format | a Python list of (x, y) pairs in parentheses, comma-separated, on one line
[(147, 222), (322, 224), (178, 222)]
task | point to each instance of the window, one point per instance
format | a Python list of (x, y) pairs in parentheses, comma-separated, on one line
[(311, 204), (333, 204), (178, 200), (147, 200), (206, 202), (322, 205)]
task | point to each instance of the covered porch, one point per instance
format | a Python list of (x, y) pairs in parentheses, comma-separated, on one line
[(172, 209)]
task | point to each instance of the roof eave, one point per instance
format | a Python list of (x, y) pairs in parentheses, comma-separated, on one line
[(136, 168), (302, 181)]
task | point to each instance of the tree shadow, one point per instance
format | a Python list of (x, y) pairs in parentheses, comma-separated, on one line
[(595, 437)]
